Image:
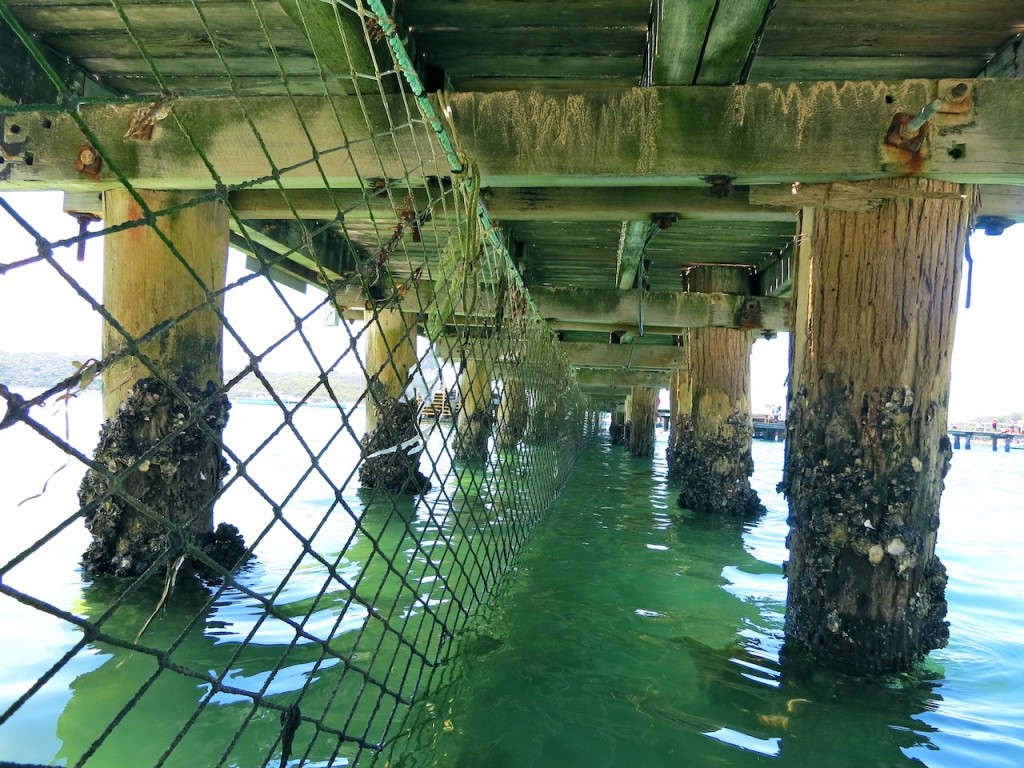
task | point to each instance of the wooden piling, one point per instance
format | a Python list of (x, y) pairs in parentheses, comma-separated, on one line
[(512, 414), (163, 404), (875, 307), (617, 425), (716, 474), (392, 443), (474, 421), (390, 355), (680, 395), (643, 408)]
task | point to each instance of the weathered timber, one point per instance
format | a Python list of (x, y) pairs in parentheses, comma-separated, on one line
[(609, 377), (666, 309), (617, 425), (474, 421), (821, 131), (640, 357), (163, 406), (680, 435), (642, 412), (715, 475), (632, 242), (513, 414), (340, 131), (730, 41), (516, 204), (808, 132), (867, 450), (390, 355), (167, 303), (391, 447)]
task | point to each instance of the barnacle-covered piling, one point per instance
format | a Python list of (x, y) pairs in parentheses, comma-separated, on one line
[(392, 443), (475, 418), (643, 404), (867, 448), (714, 464), (159, 463)]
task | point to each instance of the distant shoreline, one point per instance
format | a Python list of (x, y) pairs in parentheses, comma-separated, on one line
[(42, 370)]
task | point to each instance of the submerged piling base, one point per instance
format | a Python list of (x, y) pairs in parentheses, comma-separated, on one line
[(389, 463), (176, 482), (866, 592), (714, 470)]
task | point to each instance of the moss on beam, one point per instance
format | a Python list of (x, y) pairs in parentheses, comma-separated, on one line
[(672, 136)]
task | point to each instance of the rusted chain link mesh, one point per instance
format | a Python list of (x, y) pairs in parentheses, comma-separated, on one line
[(260, 560)]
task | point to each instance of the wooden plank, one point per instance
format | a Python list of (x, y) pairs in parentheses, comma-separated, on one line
[(349, 153), (663, 309), (681, 136), (632, 241), (730, 41), (878, 39), (514, 66), (448, 41), (783, 69), (23, 81), (497, 13), (622, 356), (86, 18), (948, 14), (682, 29), (606, 377)]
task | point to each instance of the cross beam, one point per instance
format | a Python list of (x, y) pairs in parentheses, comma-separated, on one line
[(671, 136)]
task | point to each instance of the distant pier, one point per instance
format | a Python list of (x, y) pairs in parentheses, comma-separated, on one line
[(764, 427), (962, 438)]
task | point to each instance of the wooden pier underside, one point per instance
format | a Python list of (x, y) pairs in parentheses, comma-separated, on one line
[(587, 120)]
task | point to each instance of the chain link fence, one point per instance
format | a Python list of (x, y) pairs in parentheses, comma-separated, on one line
[(247, 568)]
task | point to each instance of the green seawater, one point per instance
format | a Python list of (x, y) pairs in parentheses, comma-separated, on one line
[(631, 633), (638, 634)]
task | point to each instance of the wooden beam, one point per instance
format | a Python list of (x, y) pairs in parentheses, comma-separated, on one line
[(623, 356), (632, 242), (730, 41), (806, 132), (671, 309), (606, 377), (681, 31), (23, 81), (516, 204), (755, 134), (343, 134)]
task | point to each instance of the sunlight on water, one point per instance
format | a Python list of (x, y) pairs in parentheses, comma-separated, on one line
[(632, 634), (639, 634)]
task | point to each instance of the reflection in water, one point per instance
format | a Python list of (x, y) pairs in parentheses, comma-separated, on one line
[(639, 634), (224, 663)]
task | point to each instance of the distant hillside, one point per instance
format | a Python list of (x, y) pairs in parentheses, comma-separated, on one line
[(40, 370)]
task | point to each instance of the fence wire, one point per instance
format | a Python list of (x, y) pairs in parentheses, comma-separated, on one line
[(253, 568)]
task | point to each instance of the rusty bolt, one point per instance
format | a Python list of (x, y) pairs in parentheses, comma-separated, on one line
[(88, 160)]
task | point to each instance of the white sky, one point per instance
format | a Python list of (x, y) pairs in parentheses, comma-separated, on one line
[(39, 311)]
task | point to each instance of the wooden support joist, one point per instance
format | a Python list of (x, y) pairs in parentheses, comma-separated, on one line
[(706, 42), (632, 242), (348, 142), (604, 377), (662, 309), (678, 136), (23, 81), (756, 134), (623, 356), (620, 358), (321, 252), (516, 204)]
